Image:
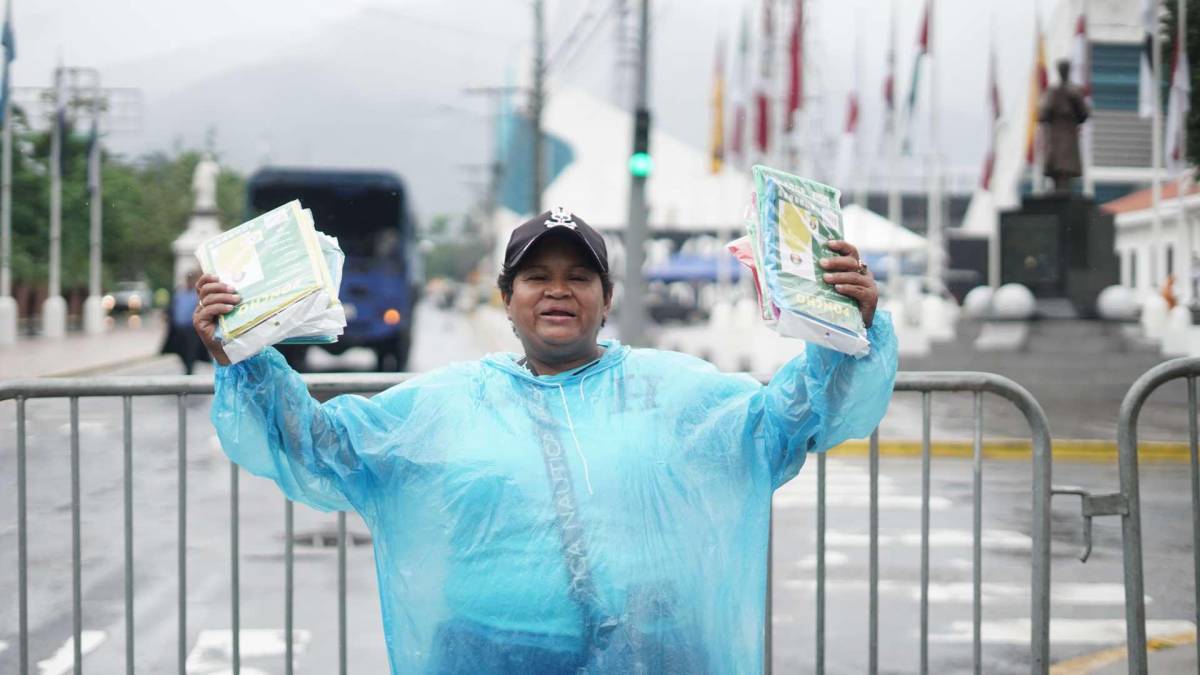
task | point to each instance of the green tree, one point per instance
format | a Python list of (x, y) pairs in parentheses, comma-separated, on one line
[(146, 203)]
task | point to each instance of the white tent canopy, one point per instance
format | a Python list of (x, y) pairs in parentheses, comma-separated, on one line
[(872, 233)]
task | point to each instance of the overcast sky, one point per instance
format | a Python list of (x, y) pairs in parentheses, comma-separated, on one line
[(167, 47)]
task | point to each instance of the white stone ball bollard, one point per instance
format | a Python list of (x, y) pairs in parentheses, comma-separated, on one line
[(1013, 301), (977, 304), (1117, 303)]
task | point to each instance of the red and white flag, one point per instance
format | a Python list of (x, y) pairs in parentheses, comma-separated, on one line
[(741, 77), (795, 99), (848, 143), (989, 160), (762, 96), (1178, 105), (1146, 74)]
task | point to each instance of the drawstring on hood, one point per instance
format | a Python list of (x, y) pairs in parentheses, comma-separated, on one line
[(614, 354)]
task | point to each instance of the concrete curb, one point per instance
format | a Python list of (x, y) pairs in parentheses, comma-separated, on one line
[(1090, 663), (1082, 450)]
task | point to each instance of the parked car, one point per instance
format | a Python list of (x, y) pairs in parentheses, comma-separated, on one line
[(130, 297)]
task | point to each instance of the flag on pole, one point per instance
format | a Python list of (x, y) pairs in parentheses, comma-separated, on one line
[(989, 160), (737, 141), (1178, 105), (795, 98), (846, 158), (9, 44), (1039, 80), (762, 97), (922, 52), (717, 152), (889, 89), (1146, 71)]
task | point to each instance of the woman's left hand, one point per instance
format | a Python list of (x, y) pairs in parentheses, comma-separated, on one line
[(851, 278)]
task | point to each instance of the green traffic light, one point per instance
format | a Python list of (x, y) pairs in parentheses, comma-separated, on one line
[(640, 164)]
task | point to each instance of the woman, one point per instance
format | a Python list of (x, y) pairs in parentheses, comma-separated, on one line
[(583, 507)]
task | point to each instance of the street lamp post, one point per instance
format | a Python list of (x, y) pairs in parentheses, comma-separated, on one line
[(54, 308)]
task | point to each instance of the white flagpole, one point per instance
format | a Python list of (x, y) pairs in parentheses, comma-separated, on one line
[(933, 265), (1186, 238), (1158, 264), (1089, 180), (861, 175), (893, 203)]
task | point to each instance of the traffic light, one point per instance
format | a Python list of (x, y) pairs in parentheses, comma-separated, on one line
[(640, 162)]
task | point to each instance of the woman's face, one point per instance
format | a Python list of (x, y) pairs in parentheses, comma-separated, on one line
[(557, 302)]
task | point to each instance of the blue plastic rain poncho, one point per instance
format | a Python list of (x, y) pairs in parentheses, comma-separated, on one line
[(588, 521)]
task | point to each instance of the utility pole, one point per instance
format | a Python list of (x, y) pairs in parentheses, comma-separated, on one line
[(539, 71), (633, 312)]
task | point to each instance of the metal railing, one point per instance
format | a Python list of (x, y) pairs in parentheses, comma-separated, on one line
[(181, 387), (927, 383), (1127, 503)]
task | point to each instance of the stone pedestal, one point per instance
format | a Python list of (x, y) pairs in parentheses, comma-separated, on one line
[(202, 225), (54, 317), (1060, 246), (8, 320)]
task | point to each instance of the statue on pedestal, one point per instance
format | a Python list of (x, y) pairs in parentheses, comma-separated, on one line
[(1063, 109), (204, 183), (203, 223)]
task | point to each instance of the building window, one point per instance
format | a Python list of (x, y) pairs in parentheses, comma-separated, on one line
[(1115, 76), (1133, 279), (1170, 259)]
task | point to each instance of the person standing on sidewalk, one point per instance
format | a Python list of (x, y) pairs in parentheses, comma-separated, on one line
[(583, 507), (182, 338)]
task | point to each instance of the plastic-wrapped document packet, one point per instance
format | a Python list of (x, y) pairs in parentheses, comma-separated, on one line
[(310, 314), (796, 217)]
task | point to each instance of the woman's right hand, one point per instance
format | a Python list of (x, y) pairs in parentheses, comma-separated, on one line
[(214, 300)]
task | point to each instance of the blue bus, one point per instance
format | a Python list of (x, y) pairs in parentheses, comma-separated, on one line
[(370, 215)]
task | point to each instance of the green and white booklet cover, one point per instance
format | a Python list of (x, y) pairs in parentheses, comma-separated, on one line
[(287, 274), (790, 223)]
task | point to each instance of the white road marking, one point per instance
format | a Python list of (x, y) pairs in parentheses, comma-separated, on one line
[(213, 651), (847, 486), (3, 646), (63, 660), (1062, 631), (860, 501), (963, 592), (832, 559), (1005, 540)]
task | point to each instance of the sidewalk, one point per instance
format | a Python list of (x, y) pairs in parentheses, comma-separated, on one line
[(79, 354)]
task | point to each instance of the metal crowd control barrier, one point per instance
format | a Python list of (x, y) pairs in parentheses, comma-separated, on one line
[(926, 383), (1127, 503)]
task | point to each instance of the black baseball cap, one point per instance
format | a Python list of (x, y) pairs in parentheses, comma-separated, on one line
[(557, 220)]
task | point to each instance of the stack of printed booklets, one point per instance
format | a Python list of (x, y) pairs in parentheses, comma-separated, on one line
[(787, 226), (288, 275)]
